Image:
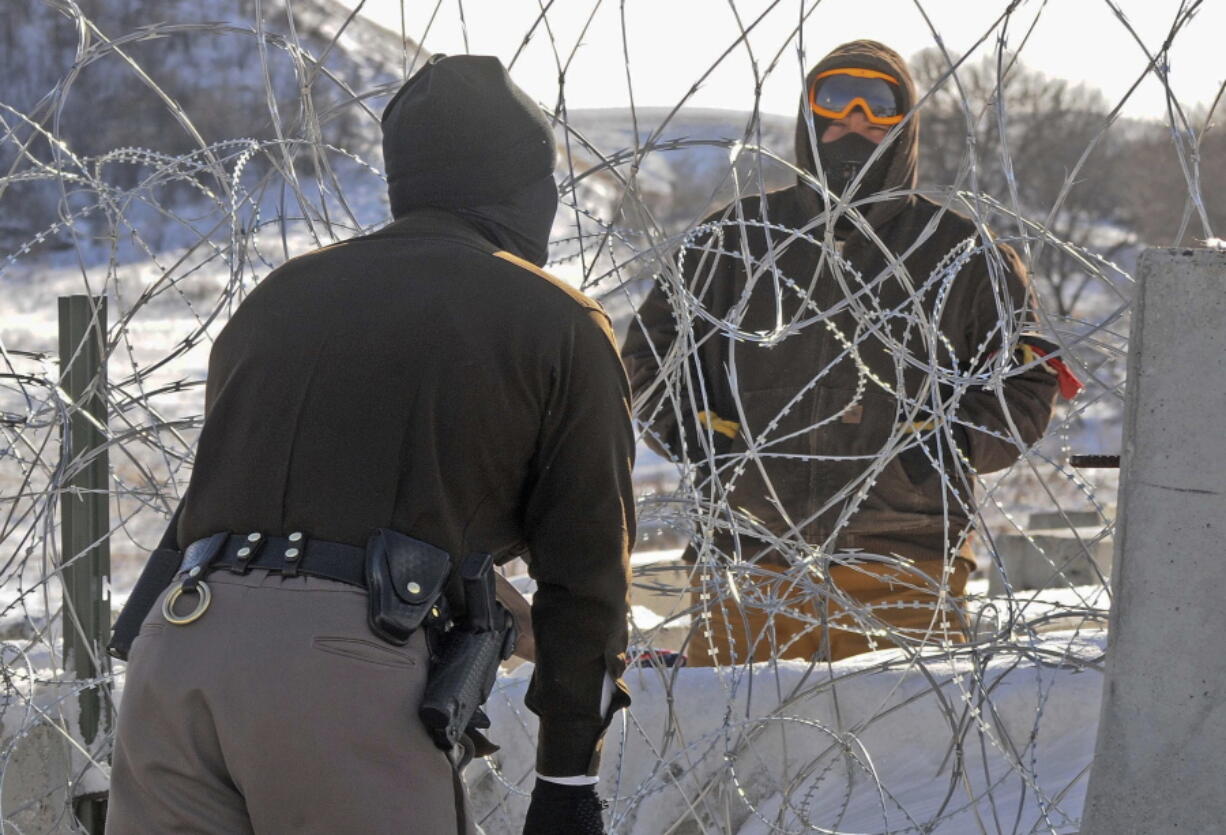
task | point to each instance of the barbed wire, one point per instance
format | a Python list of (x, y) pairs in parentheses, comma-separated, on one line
[(980, 719)]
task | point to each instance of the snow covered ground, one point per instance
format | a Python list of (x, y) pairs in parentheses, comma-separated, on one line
[(993, 739), (986, 742)]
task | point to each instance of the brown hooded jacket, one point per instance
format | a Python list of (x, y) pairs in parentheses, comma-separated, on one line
[(814, 351)]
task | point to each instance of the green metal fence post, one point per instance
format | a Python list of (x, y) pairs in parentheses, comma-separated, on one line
[(85, 520)]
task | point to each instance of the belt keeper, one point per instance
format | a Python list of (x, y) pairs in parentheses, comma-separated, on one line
[(247, 553), (294, 553), (192, 579), (201, 562)]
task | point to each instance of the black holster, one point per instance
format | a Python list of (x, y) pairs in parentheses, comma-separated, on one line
[(463, 673)]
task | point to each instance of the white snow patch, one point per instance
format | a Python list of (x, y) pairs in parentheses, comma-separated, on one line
[(640, 558), (863, 745), (644, 619)]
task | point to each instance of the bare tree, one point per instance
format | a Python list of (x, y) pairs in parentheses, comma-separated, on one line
[(1038, 144), (1159, 199)]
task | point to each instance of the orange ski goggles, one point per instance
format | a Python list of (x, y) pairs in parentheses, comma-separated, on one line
[(835, 93)]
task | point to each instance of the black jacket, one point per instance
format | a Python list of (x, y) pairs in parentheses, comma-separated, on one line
[(415, 379)]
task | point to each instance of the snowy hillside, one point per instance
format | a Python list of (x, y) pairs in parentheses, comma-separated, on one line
[(206, 72), (685, 165)]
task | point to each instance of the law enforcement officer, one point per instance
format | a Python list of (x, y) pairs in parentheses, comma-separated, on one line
[(429, 379)]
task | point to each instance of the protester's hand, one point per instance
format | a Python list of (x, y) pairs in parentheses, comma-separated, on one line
[(921, 460), (708, 433), (564, 810)]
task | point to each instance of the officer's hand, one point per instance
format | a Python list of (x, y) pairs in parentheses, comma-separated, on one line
[(564, 810)]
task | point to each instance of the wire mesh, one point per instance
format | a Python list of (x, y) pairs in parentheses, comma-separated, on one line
[(169, 161)]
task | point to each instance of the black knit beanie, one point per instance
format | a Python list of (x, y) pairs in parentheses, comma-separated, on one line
[(460, 134)]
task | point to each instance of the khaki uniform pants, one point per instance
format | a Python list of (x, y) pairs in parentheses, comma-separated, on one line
[(277, 712), (901, 601)]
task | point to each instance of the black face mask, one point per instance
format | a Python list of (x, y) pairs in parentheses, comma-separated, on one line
[(843, 159), (521, 225)]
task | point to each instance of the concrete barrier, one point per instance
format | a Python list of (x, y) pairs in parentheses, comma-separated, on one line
[(1161, 748), (37, 772), (1051, 558)]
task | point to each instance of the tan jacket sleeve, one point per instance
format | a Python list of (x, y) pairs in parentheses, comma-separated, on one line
[(579, 519)]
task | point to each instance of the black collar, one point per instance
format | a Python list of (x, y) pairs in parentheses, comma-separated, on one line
[(435, 224)]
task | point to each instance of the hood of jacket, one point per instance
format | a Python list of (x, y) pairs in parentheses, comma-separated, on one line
[(461, 136), (902, 155)]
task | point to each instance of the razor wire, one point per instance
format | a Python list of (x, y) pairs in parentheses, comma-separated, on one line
[(932, 734)]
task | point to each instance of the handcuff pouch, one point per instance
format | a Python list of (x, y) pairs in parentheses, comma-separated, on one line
[(405, 580)]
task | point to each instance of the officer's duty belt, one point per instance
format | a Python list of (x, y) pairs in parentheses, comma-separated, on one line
[(289, 555)]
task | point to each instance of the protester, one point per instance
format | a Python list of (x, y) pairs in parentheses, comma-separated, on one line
[(838, 388)]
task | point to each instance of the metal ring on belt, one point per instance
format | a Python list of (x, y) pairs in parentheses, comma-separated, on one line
[(202, 604), (240, 553), (290, 555)]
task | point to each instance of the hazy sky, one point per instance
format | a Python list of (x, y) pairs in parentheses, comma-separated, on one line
[(673, 43)]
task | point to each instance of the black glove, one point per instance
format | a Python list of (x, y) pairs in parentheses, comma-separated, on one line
[(709, 429), (564, 810), (920, 460)]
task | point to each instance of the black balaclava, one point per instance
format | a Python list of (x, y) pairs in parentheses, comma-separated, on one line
[(845, 157), (522, 224), (461, 136)]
